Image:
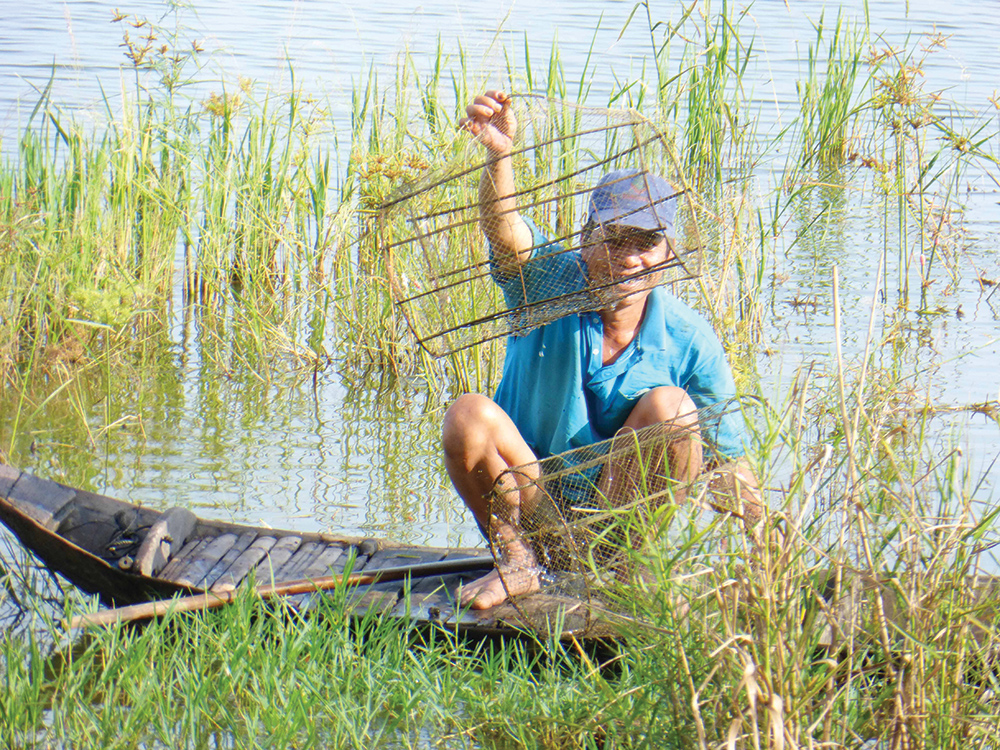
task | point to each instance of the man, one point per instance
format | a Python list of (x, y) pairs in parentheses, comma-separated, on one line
[(644, 359)]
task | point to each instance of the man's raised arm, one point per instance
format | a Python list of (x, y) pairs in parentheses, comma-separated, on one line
[(491, 119)]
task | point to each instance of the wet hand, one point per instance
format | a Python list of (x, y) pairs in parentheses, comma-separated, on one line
[(490, 118)]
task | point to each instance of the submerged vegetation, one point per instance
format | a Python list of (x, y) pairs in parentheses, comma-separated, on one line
[(226, 218)]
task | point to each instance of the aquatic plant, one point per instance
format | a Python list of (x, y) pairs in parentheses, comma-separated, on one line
[(828, 95)]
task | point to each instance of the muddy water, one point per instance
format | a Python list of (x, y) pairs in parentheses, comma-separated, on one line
[(358, 452)]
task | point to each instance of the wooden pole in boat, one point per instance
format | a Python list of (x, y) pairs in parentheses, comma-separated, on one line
[(211, 600)]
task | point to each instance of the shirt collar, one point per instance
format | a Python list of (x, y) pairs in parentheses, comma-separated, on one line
[(645, 338)]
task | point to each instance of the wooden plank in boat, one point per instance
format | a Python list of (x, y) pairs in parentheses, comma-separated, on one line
[(180, 561), (243, 541), (435, 598), (503, 616), (425, 585), (198, 564), (8, 476), (536, 612), (364, 551), (396, 558), (170, 531), (452, 617), (432, 604), (41, 500), (379, 601), (302, 557), (243, 564), (277, 556), (330, 562)]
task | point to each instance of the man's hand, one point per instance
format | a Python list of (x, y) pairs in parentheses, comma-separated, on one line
[(491, 119), (734, 490)]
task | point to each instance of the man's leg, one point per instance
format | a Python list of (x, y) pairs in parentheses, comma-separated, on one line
[(673, 409), (735, 482), (637, 477), (633, 468), (480, 444)]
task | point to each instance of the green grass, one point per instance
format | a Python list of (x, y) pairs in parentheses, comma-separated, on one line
[(235, 187), (255, 676), (827, 95), (870, 535)]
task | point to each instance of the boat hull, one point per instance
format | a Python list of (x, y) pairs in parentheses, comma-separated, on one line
[(99, 543)]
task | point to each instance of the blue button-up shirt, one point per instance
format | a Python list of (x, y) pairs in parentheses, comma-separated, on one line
[(559, 393)]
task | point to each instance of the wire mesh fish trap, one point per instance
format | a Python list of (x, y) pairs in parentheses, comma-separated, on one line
[(583, 524), (443, 280)]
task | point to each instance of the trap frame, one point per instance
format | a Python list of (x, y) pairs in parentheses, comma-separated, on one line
[(438, 260), (584, 523)]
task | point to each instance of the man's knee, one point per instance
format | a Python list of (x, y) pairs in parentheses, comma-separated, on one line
[(470, 425), (668, 404)]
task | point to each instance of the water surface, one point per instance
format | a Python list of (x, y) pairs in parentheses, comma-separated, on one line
[(358, 452)]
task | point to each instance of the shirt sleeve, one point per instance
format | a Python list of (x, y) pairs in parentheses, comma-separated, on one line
[(551, 273)]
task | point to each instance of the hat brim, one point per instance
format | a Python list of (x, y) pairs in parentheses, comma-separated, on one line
[(639, 220)]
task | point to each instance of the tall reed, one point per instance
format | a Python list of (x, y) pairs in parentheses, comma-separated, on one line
[(828, 95), (866, 613)]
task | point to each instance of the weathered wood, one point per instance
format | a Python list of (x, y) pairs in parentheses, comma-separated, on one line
[(176, 567), (8, 476), (45, 502), (379, 601), (426, 585), (429, 606), (277, 556), (368, 547), (243, 564), (302, 557), (203, 560), (395, 558), (435, 598), (243, 541), (211, 600), (178, 560), (331, 561), (170, 531)]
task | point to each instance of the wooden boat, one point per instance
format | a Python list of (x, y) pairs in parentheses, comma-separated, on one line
[(127, 554)]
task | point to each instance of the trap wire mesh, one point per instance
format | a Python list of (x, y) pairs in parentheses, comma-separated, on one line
[(582, 525), (453, 296)]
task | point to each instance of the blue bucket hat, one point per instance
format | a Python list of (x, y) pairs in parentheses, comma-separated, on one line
[(635, 198)]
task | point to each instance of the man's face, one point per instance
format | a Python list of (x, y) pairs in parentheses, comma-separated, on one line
[(623, 257)]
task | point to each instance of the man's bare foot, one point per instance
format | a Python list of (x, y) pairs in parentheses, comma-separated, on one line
[(490, 590), (518, 573)]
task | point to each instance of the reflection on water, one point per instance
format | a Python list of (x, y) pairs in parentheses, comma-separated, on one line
[(294, 454), (359, 453)]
